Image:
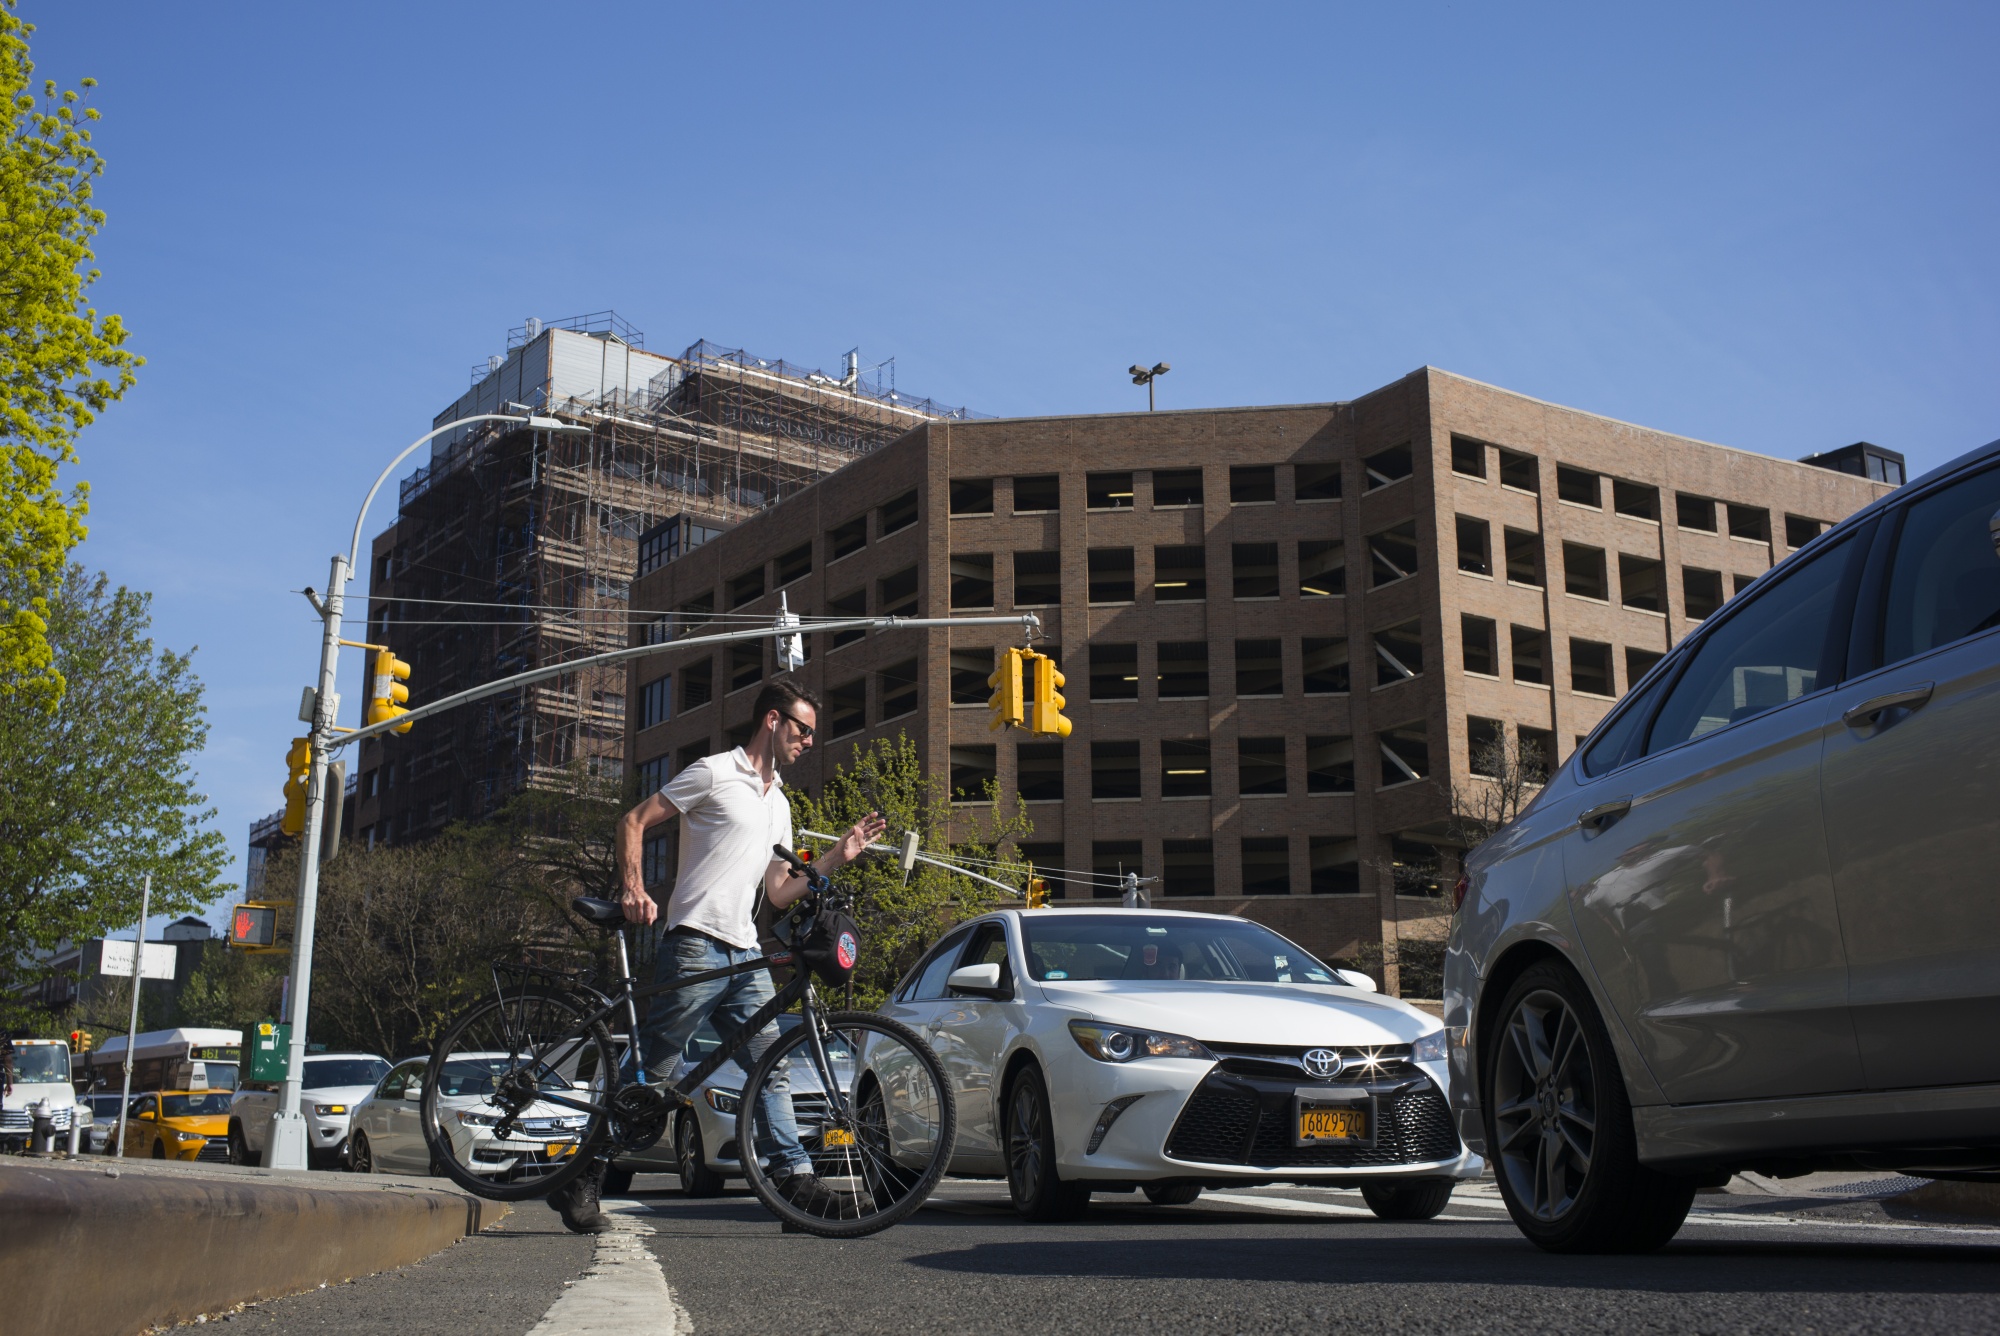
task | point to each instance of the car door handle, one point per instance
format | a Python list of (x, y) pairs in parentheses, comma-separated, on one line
[(1596, 818), (1868, 711)]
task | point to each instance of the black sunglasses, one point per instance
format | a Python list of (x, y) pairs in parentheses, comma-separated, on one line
[(805, 729)]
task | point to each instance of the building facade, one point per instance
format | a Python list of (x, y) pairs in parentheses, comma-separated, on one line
[(1289, 633)]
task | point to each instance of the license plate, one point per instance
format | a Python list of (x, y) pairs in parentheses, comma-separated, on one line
[(836, 1136), (559, 1149), (1335, 1124)]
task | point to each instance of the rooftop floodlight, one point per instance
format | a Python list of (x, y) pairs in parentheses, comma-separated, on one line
[(1143, 376)]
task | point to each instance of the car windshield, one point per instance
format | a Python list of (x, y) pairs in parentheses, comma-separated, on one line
[(37, 1063), (330, 1072), (475, 1076), (1067, 946), (195, 1106)]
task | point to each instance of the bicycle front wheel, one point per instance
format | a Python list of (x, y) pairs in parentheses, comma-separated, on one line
[(875, 1114), (517, 1097)]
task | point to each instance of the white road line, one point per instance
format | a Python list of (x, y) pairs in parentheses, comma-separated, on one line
[(1325, 1207), (624, 1293)]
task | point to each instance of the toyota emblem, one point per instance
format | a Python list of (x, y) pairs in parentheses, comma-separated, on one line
[(1322, 1063)]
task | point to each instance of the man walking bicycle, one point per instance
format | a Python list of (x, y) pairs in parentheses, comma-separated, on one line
[(732, 811)]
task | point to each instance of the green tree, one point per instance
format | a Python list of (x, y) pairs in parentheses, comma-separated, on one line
[(101, 791), (899, 921), (61, 363), (231, 989)]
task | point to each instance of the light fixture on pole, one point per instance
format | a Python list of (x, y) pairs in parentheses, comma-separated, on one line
[(288, 1130), (1143, 376)]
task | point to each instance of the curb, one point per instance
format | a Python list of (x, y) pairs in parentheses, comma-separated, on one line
[(1981, 1200), (91, 1248)]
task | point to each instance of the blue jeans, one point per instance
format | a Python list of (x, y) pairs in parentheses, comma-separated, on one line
[(672, 1018)]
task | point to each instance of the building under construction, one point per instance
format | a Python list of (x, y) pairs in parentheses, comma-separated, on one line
[(516, 549)]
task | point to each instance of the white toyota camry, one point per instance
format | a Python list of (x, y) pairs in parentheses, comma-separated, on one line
[(1108, 1050)]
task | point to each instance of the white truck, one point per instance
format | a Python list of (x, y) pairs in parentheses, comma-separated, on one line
[(333, 1084), (42, 1102)]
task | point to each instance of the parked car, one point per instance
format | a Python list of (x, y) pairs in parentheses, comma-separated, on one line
[(1107, 1050), (179, 1125), (103, 1124), (700, 1143), (1749, 925), (332, 1084), (387, 1131)]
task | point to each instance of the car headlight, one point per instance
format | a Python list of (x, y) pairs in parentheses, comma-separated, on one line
[(723, 1101), (1108, 1043), (190, 1136), (1431, 1048), (477, 1119), (328, 1110)]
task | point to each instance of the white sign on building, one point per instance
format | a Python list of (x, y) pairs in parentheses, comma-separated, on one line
[(158, 963)]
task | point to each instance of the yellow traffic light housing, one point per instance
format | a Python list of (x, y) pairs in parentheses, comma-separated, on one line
[(1046, 713), (386, 693), (1038, 893), (298, 765), (80, 1041), (1008, 706)]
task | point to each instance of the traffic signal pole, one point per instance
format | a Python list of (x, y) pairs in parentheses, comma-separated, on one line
[(289, 1132)]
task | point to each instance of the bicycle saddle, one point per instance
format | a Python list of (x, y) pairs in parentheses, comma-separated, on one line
[(603, 913)]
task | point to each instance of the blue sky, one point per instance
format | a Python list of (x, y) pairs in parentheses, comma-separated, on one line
[(1765, 225)]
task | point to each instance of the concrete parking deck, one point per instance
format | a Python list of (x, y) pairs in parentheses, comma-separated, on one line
[(117, 1246)]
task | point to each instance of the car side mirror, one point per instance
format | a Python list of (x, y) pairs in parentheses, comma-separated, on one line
[(413, 1092), (1356, 979), (980, 980)]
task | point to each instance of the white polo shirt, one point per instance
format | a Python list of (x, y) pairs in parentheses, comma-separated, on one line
[(729, 822)]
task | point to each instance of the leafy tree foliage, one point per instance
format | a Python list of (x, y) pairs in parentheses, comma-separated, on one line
[(100, 792), (899, 921), (61, 363)]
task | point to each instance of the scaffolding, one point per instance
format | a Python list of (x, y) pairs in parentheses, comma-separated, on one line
[(516, 549)]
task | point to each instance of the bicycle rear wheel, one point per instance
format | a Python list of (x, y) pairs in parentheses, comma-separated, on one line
[(517, 1096), (878, 1122)]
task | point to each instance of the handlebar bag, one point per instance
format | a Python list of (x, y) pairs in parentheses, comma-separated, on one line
[(832, 947)]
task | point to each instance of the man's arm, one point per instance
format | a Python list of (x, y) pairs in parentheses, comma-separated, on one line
[(783, 886), (638, 906)]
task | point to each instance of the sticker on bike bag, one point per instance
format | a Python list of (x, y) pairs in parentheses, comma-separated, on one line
[(847, 951)]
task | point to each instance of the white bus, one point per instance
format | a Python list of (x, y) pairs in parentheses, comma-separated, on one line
[(185, 1059)]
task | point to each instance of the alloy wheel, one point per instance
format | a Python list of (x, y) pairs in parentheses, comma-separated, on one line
[(1545, 1105), (1024, 1142), (360, 1155)]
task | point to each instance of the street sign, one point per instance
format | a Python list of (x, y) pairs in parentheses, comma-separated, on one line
[(157, 963)]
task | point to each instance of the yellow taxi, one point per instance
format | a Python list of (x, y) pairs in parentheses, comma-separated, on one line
[(179, 1125)]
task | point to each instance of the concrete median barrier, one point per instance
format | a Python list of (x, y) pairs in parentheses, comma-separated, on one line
[(95, 1245)]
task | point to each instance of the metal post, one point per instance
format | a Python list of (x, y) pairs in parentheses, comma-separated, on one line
[(132, 1027), (289, 1128)]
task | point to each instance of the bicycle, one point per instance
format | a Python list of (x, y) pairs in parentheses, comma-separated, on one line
[(529, 1086)]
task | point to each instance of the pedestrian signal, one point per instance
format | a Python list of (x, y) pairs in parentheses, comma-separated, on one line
[(253, 925), (298, 766), (1009, 709), (1046, 717), (386, 692)]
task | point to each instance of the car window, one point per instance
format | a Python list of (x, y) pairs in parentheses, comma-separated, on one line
[(1944, 577), (1129, 945), (929, 984), (1615, 745), (142, 1106), (987, 947), (329, 1072), (1774, 649), (196, 1106), (397, 1081)]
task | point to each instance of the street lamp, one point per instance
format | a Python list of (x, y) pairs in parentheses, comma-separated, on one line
[(1142, 376), (288, 1133)]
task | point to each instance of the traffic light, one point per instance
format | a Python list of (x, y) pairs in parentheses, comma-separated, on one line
[(386, 693), (80, 1041), (1006, 703), (1046, 717), (298, 762), (1038, 893), (253, 925)]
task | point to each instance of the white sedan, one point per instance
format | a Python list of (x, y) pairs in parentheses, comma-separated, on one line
[(1107, 1050), (388, 1134)]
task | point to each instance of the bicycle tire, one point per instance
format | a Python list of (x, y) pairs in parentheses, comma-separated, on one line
[(898, 1157), (492, 1062)]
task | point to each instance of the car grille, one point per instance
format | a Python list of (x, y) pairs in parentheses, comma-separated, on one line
[(1230, 1120), (216, 1151), (1287, 1063), (21, 1121)]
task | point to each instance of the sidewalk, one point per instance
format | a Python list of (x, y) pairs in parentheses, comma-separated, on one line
[(115, 1246)]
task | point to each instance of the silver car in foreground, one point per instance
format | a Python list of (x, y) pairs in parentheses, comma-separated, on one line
[(1751, 923)]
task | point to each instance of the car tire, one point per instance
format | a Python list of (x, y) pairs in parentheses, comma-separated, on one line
[(360, 1155), (1423, 1199), (617, 1182), (239, 1146), (691, 1160), (1173, 1194), (1559, 1125), (1038, 1191)]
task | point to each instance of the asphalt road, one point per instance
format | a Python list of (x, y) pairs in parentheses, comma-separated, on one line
[(1264, 1261)]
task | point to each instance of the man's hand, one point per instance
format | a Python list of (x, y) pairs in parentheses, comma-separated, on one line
[(856, 841), (640, 908)]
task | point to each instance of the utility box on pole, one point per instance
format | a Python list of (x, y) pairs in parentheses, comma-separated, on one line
[(270, 1046)]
